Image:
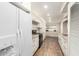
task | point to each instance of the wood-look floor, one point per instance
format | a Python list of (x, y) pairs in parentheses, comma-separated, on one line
[(50, 47)]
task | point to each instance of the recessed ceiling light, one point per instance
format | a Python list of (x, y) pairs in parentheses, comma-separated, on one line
[(45, 6)]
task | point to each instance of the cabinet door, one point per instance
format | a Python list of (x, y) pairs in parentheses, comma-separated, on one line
[(26, 33), (35, 44), (8, 24)]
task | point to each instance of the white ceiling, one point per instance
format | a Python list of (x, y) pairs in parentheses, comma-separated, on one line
[(53, 9)]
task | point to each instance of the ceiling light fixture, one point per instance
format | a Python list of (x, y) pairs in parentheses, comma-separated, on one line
[(45, 6)]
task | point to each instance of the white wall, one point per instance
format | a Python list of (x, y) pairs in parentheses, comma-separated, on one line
[(51, 29)]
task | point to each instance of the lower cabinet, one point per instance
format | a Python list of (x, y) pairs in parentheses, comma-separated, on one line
[(63, 41), (35, 43)]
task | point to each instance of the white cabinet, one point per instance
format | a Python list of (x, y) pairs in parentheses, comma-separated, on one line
[(26, 33), (15, 29), (63, 41), (8, 24), (35, 40)]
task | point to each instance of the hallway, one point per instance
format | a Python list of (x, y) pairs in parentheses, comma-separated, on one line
[(24, 26), (50, 47)]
